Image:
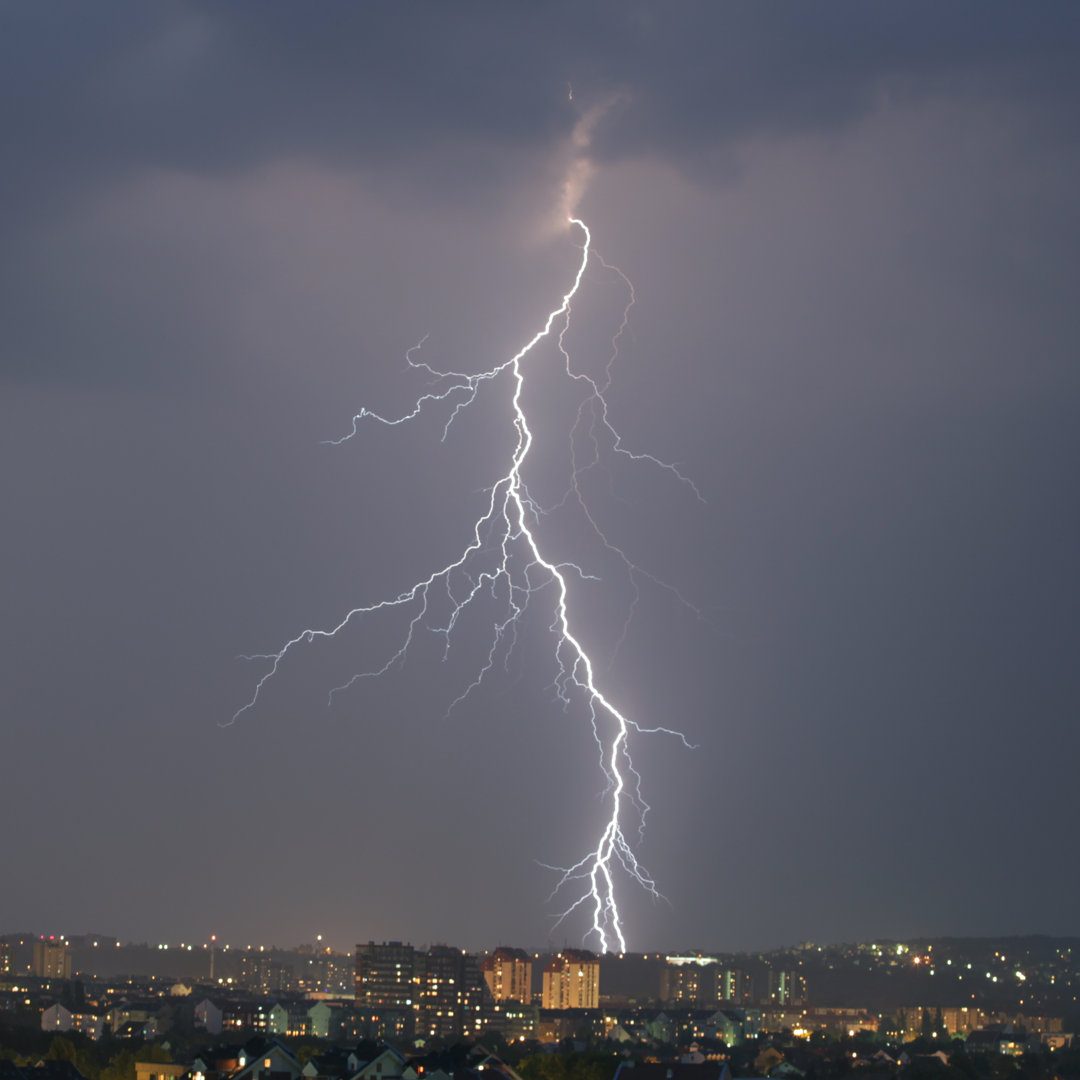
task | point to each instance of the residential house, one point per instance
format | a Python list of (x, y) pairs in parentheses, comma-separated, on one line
[(209, 1016), (58, 1018)]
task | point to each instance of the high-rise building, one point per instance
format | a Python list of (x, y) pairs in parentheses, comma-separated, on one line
[(736, 986), (508, 974), (702, 982), (264, 973), (787, 987), (571, 980), (438, 993), (385, 974), (452, 997), (690, 980), (52, 960)]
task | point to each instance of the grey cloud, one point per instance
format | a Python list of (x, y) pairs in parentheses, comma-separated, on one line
[(454, 104), (208, 86), (707, 74)]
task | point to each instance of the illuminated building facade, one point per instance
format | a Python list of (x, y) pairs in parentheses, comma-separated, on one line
[(689, 980), (452, 997), (385, 974), (508, 974), (264, 974), (571, 980), (435, 994), (701, 982), (736, 986), (787, 987), (51, 960)]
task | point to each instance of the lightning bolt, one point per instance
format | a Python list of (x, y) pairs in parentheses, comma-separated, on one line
[(504, 559)]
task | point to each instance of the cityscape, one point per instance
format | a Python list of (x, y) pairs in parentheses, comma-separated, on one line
[(95, 1007), (539, 541)]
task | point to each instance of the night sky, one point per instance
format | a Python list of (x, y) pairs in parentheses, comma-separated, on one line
[(853, 232)]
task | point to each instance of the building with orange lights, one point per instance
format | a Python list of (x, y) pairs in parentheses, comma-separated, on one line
[(508, 973), (571, 980)]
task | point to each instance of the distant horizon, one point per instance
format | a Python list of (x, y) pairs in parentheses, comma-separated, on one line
[(543, 951)]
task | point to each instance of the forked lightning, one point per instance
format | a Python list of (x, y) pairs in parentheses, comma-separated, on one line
[(504, 559)]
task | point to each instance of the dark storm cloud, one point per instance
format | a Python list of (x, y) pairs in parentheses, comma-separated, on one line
[(451, 102), (206, 86), (700, 76)]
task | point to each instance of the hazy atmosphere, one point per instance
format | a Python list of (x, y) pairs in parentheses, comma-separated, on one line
[(854, 241)]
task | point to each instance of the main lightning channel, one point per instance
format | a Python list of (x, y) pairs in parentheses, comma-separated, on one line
[(516, 570)]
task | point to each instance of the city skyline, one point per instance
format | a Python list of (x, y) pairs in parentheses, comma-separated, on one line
[(974, 989), (851, 234)]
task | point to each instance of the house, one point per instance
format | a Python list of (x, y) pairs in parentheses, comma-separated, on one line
[(288, 1018), (216, 1063), (365, 1051), (999, 1040), (329, 1066), (267, 1060), (158, 1070), (767, 1060), (53, 1070), (209, 1017), (58, 1018), (727, 1025), (387, 1064), (244, 1014), (319, 1018), (786, 1071)]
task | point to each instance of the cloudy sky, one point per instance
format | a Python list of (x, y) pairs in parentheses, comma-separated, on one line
[(852, 232)]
